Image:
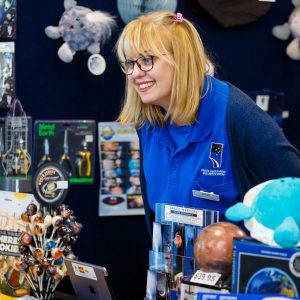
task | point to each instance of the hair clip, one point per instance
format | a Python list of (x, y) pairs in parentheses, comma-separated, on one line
[(178, 18)]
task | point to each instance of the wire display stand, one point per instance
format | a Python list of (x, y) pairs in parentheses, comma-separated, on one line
[(16, 161)]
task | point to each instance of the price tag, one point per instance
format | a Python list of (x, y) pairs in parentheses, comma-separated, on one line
[(206, 278)]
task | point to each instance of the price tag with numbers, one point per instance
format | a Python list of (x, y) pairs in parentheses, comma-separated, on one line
[(205, 278)]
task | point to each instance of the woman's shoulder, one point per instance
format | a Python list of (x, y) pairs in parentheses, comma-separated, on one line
[(244, 113), (241, 105)]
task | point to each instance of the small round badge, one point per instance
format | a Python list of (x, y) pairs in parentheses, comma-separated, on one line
[(294, 264), (96, 64), (50, 184)]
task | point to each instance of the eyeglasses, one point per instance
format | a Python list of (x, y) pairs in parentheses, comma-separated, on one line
[(145, 63)]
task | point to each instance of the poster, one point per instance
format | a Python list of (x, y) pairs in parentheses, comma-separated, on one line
[(119, 156)]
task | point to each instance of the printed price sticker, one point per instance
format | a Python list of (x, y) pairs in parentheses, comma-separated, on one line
[(206, 278)]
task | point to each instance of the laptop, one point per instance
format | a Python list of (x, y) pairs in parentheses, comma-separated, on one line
[(89, 281)]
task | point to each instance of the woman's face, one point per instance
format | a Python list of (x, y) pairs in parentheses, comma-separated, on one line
[(154, 86)]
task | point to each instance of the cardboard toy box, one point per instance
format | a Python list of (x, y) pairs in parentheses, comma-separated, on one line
[(261, 269)]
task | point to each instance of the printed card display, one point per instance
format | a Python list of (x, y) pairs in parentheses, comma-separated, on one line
[(119, 156), (171, 260)]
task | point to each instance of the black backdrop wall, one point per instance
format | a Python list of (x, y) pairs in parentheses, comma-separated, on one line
[(249, 57)]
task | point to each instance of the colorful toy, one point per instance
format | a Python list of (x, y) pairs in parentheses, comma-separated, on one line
[(271, 212), (292, 27)]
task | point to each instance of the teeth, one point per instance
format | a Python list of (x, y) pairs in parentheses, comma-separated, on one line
[(145, 85)]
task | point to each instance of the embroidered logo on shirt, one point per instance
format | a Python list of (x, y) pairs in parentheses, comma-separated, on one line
[(215, 155)]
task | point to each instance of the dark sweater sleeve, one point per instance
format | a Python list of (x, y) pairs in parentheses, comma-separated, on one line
[(261, 151), (149, 214)]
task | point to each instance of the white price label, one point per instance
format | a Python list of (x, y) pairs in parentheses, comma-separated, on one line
[(205, 278)]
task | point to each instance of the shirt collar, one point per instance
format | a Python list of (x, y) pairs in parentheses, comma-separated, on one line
[(203, 126), (205, 117)]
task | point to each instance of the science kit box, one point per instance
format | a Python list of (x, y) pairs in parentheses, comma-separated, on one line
[(261, 269)]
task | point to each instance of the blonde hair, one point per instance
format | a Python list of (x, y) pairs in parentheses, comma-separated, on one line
[(180, 45)]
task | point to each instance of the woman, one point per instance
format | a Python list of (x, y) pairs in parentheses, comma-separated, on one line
[(203, 142)]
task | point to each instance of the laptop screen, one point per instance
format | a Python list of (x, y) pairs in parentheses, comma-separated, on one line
[(89, 281)]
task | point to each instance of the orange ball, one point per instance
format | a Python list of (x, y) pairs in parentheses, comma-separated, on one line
[(213, 247)]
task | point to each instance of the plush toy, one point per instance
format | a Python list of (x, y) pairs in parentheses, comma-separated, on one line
[(271, 212), (292, 27), (81, 29)]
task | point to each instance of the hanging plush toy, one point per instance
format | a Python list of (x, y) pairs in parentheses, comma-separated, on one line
[(82, 29), (271, 212), (292, 27)]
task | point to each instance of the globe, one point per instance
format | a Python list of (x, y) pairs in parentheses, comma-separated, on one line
[(213, 247), (271, 281)]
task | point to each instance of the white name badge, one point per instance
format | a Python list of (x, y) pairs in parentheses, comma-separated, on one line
[(206, 195), (205, 278)]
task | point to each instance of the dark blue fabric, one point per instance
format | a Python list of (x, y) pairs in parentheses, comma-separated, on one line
[(260, 150), (258, 147), (187, 175)]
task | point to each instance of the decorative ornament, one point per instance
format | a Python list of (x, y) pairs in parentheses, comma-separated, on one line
[(81, 29), (178, 18)]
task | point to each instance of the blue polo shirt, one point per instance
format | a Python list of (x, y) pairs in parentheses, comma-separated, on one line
[(191, 165)]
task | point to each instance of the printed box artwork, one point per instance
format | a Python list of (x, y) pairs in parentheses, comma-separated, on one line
[(259, 268), (7, 74), (12, 205), (171, 261), (70, 143), (119, 156), (8, 15)]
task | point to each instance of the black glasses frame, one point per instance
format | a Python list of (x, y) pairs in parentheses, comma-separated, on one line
[(138, 64)]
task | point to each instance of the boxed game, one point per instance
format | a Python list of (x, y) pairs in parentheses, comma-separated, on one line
[(261, 269)]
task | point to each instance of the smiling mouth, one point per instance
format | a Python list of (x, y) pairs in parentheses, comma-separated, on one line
[(145, 86)]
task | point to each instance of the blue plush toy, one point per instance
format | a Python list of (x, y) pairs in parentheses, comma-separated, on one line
[(271, 212)]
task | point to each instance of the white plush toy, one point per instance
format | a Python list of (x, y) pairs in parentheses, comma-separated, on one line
[(292, 27), (81, 29)]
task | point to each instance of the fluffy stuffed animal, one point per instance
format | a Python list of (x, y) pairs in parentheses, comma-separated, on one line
[(271, 212), (80, 28), (292, 27)]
